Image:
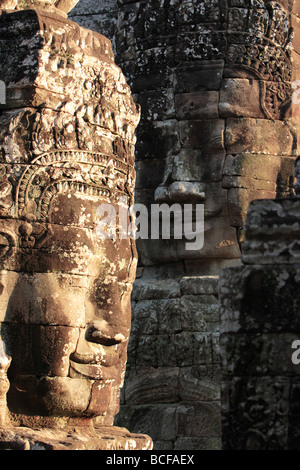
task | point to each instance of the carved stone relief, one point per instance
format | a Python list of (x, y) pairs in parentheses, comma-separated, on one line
[(259, 304), (67, 146), (214, 80)]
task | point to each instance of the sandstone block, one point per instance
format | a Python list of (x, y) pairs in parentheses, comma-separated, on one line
[(149, 386), (240, 97), (202, 134), (239, 201), (198, 443), (198, 165), (254, 298), (107, 438), (253, 136), (159, 421), (157, 105), (158, 140), (198, 316), (195, 386), (47, 355), (193, 348), (197, 105), (204, 75), (260, 167), (197, 285), (201, 45), (145, 289), (272, 232), (201, 420), (59, 299)]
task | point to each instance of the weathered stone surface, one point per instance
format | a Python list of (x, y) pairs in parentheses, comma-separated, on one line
[(193, 285), (240, 97), (196, 77), (215, 83), (197, 443), (239, 200), (201, 420), (259, 305), (272, 232), (261, 290), (151, 385), (159, 420), (260, 405), (149, 289), (202, 134), (198, 165), (269, 168), (253, 136), (105, 438), (67, 147), (57, 6), (197, 105)]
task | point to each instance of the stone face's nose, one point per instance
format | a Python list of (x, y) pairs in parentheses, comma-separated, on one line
[(101, 332), (180, 191)]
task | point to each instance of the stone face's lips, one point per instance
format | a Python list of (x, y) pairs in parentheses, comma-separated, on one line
[(94, 371), (103, 360)]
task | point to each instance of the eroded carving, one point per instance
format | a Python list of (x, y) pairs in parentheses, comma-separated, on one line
[(259, 324), (67, 146), (214, 81), (57, 6)]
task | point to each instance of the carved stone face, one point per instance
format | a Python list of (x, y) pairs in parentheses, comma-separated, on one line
[(66, 313), (230, 142), (67, 146)]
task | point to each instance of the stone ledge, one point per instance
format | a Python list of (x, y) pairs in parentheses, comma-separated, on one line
[(102, 438)]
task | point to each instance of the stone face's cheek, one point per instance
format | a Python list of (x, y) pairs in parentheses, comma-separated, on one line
[(43, 299), (40, 350)]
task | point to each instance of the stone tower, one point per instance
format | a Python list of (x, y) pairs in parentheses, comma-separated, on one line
[(215, 80)]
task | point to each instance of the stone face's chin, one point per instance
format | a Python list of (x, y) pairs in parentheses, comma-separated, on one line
[(61, 397)]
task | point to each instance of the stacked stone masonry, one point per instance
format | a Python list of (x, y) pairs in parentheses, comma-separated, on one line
[(214, 81), (259, 325)]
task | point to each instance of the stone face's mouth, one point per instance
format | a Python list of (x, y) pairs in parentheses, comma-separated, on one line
[(101, 333), (93, 371), (101, 359)]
